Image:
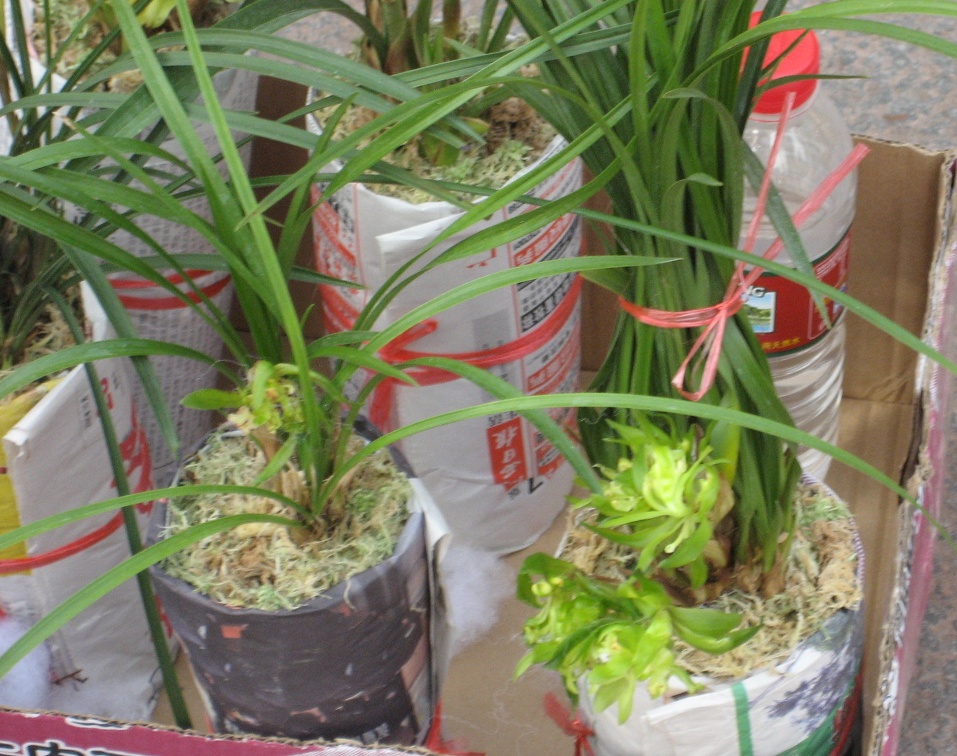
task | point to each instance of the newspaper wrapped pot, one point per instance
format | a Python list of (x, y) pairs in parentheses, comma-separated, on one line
[(499, 484), (364, 661), (54, 458), (806, 705)]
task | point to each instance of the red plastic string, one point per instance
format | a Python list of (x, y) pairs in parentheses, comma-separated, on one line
[(571, 726), (397, 351), (847, 718), (714, 319), (136, 440), (435, 741), (142, 283), (170, 302)]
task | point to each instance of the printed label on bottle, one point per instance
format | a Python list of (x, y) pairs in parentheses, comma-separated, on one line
[(783, 313)]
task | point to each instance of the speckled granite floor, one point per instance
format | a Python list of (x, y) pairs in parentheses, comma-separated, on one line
[(906, 95)]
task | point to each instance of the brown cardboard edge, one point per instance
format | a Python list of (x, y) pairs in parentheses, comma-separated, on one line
[(910, 282), (924, 477)]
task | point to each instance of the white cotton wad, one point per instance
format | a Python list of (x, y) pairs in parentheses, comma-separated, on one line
[(476, 582), (27, 685)]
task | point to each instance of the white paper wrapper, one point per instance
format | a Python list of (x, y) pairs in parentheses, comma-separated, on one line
[(57, 460), (497, 482)]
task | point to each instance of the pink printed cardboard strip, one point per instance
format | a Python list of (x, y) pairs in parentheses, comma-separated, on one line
[(35, 734)]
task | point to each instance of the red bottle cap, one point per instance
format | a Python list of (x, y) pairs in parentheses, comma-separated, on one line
[(803, 60)]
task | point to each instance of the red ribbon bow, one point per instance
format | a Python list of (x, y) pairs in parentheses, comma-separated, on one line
[(571, 726), (714, 319)]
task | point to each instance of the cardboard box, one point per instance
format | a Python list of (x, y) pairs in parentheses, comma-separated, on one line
[(894, 416)]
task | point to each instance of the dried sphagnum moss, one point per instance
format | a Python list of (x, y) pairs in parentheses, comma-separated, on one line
[(271, 567), (66, 17), (821, 579), (517, 137), (51, 334)]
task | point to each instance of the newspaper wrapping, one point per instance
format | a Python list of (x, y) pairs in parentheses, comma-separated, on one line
[(363, 661), (56, 459), (497, 481), (799, 706)]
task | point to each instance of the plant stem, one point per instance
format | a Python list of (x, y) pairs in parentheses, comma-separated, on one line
[(148, 599)]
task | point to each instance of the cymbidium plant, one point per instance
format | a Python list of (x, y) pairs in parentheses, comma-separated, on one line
[(261, 268), (663, 502), (38, 282), (49, 94), (397, 37), (663, 499), (619, 633), (654, 95), (400, 41)]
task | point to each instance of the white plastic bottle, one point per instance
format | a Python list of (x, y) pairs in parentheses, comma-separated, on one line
[(807, 358)]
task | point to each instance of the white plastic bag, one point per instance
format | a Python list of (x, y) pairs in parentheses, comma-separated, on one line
[(56, 458), (498, 483)]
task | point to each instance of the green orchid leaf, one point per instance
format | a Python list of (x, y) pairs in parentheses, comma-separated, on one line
[(710, 622), (625, 701), (278, 461), (690, 549), (698, 572), (713, 645), (611, 692), (525, 663), (359, 358), (211, 399)]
